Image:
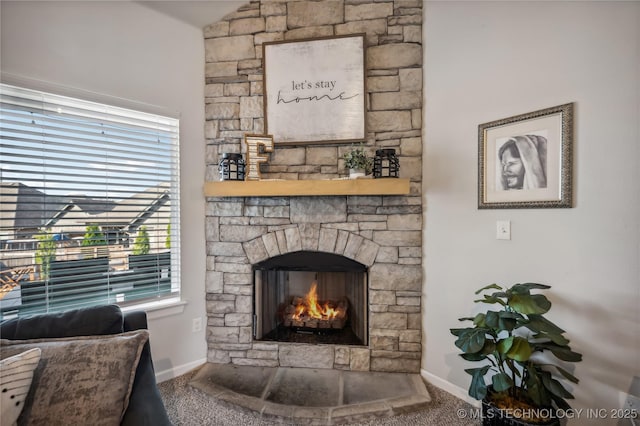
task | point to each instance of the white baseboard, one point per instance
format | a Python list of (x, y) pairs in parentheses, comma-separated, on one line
[(174, 372), (449, 387)]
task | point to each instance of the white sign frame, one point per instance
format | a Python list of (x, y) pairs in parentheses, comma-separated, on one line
[(315, 90)]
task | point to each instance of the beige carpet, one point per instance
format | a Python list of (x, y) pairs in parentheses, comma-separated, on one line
[(189, 406)]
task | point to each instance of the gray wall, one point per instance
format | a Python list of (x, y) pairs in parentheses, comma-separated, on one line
[(483, 61), (490, 60), (135, 55)]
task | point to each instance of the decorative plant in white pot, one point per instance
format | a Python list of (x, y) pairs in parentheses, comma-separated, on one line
[(357, 162)]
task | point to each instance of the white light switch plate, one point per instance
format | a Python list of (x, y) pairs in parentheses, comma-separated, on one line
[(503, 230)]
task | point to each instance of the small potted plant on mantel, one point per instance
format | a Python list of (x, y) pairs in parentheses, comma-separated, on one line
[(357, 162), (516, 345)]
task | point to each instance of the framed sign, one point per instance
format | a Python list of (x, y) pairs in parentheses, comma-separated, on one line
[(314, 90), (525, 161)]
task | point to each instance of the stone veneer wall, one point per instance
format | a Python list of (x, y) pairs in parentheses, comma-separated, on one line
[(382, 232)]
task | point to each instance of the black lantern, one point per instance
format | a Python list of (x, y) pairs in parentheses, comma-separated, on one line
[(386, 163), (231, 167)]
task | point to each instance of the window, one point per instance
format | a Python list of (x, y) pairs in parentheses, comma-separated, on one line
[(89, 204)]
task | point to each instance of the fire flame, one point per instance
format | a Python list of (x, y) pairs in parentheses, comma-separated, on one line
[(311, 308)]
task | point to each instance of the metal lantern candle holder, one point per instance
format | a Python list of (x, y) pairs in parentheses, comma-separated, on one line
[(231, 167), (386, 164)]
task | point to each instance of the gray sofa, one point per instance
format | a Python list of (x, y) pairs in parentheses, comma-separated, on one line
[(145, 403)]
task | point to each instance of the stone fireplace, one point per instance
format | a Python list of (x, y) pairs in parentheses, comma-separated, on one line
[(367, 249), (311, 297), (246, 232)]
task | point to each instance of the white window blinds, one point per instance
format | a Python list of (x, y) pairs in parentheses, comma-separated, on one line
[(89, 204)]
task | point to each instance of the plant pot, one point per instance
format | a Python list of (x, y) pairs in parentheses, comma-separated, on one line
[(356, 173), (494, 416)]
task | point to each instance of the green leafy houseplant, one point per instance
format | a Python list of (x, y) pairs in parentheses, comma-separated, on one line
[(509, 342), (357, 159)]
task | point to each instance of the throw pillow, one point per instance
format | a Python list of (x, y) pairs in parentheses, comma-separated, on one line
[(81, 380), (16, 373)]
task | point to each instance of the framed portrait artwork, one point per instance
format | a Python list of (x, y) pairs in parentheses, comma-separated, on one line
[(525, 161), (314, 90)]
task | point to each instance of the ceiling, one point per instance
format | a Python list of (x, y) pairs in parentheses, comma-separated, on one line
[(196, 13)]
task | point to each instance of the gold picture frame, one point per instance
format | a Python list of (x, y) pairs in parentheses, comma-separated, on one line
[(525, 161)]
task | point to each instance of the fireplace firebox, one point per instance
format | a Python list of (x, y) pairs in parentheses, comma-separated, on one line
[(310, 297)]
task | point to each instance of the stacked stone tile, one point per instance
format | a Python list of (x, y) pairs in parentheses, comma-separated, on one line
[(382, 232)]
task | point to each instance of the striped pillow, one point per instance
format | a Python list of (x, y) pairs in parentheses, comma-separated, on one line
[(16, 374)]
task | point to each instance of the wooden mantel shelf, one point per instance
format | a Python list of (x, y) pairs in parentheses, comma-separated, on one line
[(279, 188)]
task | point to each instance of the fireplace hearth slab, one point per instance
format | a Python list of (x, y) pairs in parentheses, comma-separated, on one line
[(245, 380), (305, 387), (316, 396)]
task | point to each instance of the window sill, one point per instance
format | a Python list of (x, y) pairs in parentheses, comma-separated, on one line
[(159, 309)]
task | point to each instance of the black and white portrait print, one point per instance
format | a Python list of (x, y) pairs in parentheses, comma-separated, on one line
[(522, 161)]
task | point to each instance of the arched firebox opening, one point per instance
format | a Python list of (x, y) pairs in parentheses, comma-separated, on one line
[(311, 297)]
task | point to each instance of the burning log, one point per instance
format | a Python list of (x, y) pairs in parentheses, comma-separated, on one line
[(310, 313)]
